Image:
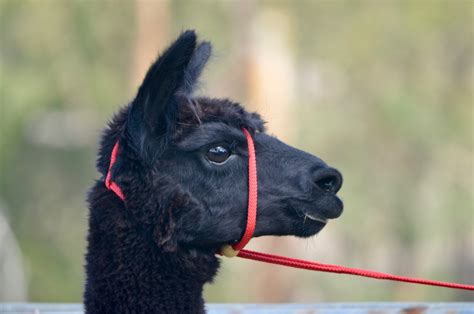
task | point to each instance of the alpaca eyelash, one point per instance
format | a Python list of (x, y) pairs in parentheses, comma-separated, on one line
[(233, 145)]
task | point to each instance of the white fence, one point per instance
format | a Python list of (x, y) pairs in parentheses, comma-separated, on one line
[(320, 308)]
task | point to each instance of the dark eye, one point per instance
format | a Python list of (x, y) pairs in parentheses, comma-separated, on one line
[(218, 154)]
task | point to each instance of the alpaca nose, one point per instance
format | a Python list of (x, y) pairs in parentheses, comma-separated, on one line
[(328, 180)]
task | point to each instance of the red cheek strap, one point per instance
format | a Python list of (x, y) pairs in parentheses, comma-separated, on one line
[(252, 197)]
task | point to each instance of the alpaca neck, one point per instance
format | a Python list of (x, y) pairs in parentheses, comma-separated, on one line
[(127, 272)]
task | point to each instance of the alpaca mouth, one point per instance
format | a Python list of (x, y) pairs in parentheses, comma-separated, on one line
[(308, 214), (308, 225)]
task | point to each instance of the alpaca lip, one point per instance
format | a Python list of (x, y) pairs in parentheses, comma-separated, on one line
[(315, 218)]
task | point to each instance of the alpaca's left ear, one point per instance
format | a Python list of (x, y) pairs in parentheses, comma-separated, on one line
[(194, 69), (153, 113)]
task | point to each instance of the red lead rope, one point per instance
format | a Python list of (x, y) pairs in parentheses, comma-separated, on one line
[(237, 249), (309, 265)]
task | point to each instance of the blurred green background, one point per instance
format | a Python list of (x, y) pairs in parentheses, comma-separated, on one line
[(382, 90)]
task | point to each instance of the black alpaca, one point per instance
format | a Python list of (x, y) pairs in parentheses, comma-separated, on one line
[(182, 166)]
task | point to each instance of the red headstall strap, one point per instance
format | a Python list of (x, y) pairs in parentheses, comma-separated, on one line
[(237, 249), (253, 195), (111, 185)]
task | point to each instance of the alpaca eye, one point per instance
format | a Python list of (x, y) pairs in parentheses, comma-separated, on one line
[(218, 154)]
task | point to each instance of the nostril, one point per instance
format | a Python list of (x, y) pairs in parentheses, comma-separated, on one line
[(328, 180), (327, 184)]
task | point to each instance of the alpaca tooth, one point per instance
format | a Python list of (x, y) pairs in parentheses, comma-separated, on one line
[(316, 218)]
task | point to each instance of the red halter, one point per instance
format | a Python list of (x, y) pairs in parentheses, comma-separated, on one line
[(237, 249)]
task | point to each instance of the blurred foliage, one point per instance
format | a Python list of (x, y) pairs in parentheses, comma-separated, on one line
[(384, 93)]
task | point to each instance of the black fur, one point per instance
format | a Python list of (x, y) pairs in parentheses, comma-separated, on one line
[(154, 252)]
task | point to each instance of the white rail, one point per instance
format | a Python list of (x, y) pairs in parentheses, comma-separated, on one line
[(320, 308)]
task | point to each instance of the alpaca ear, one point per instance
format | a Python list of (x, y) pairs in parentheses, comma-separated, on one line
[(153, 112), (194, 69), (164, 232)]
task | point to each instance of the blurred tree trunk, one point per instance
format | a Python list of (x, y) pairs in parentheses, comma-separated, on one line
[(269, 76), (152, 27), (13, 283), (271, 73)]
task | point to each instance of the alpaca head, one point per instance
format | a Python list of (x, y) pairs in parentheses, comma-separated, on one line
[(183, 163)]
